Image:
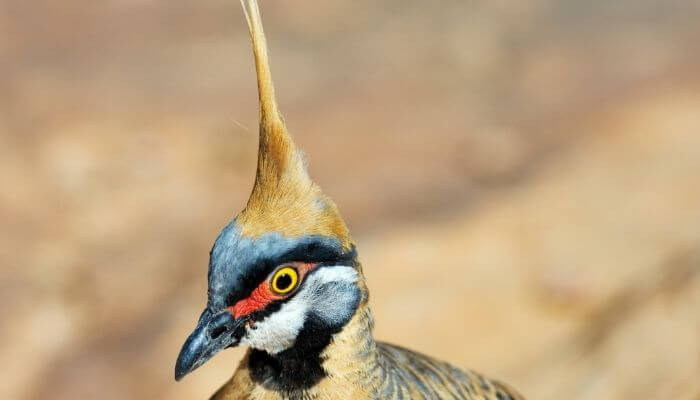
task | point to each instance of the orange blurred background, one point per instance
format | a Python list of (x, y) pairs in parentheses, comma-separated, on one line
[(522, 180)]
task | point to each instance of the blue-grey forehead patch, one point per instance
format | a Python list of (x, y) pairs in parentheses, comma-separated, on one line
[(239, 263)]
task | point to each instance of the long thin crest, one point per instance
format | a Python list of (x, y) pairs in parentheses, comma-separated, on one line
[(284, 199), (277, 154), (268, 102)]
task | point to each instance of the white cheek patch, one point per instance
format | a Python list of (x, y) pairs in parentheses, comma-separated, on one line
[(279, 330)]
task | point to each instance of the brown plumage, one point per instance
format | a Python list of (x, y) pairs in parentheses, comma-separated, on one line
[(360, 368), (284, 199), (312, 338)]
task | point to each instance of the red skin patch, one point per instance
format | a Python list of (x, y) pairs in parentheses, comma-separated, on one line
[(262, 295)]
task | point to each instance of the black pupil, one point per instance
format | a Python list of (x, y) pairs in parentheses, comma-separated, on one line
[(284, 281)]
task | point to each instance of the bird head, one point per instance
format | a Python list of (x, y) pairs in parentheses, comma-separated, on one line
[(284, 272)]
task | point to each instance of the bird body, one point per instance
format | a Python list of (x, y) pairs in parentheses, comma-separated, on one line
[(284, 279), (359, 368)]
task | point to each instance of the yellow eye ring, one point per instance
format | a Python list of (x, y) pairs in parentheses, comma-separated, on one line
[(284, 280)]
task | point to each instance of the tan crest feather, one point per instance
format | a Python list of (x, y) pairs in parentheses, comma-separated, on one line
[(284, 199), (277, 151)]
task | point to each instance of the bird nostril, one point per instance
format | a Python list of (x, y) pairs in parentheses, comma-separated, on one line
[(218, 331), (220, 324)]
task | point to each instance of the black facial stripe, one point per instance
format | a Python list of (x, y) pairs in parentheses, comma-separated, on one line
[(270, 309), (316, 252), (312, 252), (274, 306)]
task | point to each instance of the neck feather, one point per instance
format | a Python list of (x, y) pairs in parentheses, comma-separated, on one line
[(344, 360)]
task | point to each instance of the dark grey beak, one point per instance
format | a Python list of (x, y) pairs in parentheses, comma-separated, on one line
[(214, 332)]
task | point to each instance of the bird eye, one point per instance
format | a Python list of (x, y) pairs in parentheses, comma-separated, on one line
[(284, 280)]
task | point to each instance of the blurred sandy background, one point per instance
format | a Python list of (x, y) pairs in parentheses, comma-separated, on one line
[(522, 180)]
